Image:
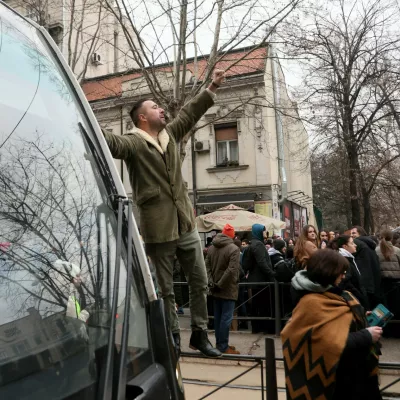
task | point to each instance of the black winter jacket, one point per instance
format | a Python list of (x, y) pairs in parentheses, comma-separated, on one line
[(260, 268), (352, 283), (368, 263)]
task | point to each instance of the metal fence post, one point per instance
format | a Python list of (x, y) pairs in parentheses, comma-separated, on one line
[(277, 309), (270, 369)]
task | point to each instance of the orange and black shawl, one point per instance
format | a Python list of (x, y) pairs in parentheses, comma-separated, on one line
[(314, 340)]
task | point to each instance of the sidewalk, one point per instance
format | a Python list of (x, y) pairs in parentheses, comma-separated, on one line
[(254, 344), (247, 343), (201, 379)]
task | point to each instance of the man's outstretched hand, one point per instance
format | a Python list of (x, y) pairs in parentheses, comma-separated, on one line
[(218, 79)]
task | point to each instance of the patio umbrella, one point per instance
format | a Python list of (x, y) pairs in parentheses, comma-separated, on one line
[(239, 218)]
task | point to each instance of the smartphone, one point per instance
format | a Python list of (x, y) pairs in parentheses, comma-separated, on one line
[(379, 316)]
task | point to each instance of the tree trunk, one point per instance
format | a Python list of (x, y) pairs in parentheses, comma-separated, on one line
[(368, 219), (355, 205)]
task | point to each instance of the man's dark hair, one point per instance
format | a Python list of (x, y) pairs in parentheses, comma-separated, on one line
[(238, 243), (279, 244), (325, 266), (339, 242), (360, 230), (135, 111), (245, 241), (289, 252)]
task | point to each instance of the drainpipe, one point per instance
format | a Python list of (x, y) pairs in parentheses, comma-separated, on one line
[(278, 120), (122, 132), (194, 172)]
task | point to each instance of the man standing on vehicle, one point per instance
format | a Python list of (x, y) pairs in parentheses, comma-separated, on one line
[(151, 154)]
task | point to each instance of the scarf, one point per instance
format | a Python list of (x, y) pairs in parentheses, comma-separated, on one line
[(300, 282), (314, 340), (347, 254)]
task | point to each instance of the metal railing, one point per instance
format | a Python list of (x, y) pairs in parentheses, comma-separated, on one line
[(268, 377), (269, 386), (278, 309), (393, 367), (275, 307), (267, 363)]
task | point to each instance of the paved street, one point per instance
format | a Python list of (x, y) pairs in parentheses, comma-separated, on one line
[(197, 374), (247, 343), (201, 376)]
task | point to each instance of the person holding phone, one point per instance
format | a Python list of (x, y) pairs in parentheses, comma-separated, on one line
[(329, 350)]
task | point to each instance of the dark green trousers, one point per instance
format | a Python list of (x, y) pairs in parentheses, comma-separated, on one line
[(189, 252)]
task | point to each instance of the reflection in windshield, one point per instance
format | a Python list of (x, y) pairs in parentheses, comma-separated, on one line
[(57, 235), (49, 213)]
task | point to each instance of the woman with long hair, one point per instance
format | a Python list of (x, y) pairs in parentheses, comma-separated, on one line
[(351, 282), (323, 239), (389, 260), (306, 244), (328, 349)]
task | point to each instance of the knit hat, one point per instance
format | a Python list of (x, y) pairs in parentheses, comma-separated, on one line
[(229, 230), (279, 244)]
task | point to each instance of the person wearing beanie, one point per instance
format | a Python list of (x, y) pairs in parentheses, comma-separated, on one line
[(229, 231), (223, 267)]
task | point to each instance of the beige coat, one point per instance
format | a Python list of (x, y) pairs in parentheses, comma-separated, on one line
[(155, 173), (390, 269)]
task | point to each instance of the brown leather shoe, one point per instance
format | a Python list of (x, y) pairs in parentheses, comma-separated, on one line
[(229, 350), (232, 347)]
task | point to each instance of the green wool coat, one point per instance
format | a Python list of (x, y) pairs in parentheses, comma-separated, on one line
[(155, 173)]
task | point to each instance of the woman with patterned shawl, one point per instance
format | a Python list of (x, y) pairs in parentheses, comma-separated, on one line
[(329, 351)]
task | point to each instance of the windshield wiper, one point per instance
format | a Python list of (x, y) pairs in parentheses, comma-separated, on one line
[(106, 391)]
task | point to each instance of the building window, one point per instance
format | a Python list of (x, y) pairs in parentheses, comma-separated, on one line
[(226, 137)]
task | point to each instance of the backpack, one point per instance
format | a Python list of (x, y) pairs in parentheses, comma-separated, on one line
[(285, 270)]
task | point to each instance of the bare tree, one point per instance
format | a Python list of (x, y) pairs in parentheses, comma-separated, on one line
[(47, 209), (170, 30), (346, 50)]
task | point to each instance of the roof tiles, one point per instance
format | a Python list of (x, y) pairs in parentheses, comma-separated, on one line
[(111, 86)]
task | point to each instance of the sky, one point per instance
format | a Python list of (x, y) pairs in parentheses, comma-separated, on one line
[(239, 17)]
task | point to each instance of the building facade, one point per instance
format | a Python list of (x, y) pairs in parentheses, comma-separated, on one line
[(86, 31), (250, 149)]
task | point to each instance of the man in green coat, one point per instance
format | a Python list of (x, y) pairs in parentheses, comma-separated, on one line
[(151, 154)]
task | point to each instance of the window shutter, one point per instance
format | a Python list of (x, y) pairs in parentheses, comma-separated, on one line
[(225, 132)]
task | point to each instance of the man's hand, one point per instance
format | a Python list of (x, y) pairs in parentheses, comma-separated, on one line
[(218, 79)]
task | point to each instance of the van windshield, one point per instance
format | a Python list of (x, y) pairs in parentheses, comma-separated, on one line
[(57, 233)]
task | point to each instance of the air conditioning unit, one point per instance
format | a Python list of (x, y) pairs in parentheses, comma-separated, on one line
[(96, 59), (202, 145)]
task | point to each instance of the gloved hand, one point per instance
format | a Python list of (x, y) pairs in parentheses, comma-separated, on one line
[(83, 332)]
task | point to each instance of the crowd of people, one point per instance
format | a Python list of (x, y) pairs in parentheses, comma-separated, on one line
[(373, 276), (341, 277)]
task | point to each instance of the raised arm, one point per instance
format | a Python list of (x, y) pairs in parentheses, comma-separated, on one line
[(189, 115), (121, 147)]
